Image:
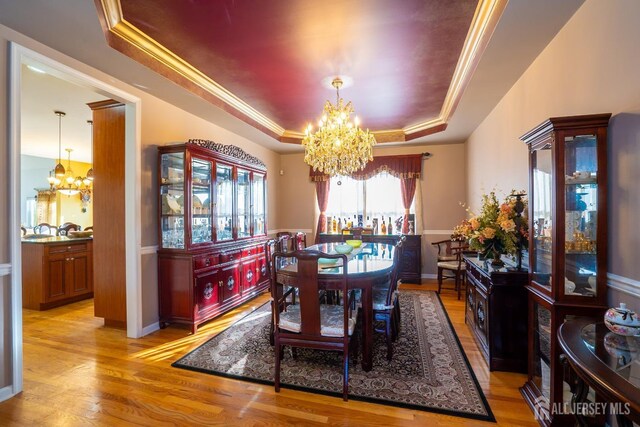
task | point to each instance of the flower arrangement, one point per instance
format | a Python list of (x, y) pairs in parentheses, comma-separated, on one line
[(500, 228)]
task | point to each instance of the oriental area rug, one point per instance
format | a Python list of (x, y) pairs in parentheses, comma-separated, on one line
[(429, 370)]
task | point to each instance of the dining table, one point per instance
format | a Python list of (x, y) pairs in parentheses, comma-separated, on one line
[(367, 266)]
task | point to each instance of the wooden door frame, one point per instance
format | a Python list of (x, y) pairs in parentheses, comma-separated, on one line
[(19, 54)]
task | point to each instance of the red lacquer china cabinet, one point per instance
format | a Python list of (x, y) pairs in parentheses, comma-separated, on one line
[(212, 228)]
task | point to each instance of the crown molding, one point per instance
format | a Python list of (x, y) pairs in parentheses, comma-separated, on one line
[(483, 24), (135, 37)]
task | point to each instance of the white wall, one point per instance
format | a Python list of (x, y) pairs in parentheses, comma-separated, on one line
[(591, 66)]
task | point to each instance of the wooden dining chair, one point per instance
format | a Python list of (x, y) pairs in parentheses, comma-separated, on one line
[(456, 269), (283, 239), (447, 249), (300, 240), (386, 305), (270, 247), (45, 228), (65, 228), (310, 324)]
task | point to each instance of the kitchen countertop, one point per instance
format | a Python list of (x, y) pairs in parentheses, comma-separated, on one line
[(35, 238)]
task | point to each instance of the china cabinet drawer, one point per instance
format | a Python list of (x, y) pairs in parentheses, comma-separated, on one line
[(229, 256), (205, 261), (249, 251)]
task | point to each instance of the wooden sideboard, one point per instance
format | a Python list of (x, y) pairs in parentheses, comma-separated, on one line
[(410, 268), (56, 271), (496, 312)]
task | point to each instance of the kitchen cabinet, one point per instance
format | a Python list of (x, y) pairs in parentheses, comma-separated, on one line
[(56, 271)]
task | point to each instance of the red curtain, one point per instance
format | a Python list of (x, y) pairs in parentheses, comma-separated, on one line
[(406, 167), (403, 167), (408, 187), (322, 193)]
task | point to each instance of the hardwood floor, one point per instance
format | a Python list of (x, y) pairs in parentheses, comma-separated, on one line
[(77, 372)]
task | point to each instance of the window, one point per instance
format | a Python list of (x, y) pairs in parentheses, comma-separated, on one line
[(378, 198)]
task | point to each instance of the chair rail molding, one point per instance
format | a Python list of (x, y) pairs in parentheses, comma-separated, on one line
[(5, 269), (432, 232), (149, 250), (624, 284)]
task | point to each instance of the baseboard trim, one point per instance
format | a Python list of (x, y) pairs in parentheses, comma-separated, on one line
[(624, 284), (151, 328), (148, 250), (5, 269), (429, 276), (6, 393)]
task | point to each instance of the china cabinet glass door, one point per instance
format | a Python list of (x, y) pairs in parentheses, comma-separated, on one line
[(542, 214), (259, 205), (172, 200), (200, 201), (224, 202), (244, 203), (581, 215)]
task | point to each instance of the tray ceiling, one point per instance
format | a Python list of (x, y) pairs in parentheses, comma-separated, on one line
[(264, 61)]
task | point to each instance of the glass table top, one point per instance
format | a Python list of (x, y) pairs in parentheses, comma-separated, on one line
[(620, 353)]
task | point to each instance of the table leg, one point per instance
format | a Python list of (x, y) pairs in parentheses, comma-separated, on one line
[(367, 329)]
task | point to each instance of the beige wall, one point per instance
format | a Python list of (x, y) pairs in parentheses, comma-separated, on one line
[(591, 66), (442, 190)]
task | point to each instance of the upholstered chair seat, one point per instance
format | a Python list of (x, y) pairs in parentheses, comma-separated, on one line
[(331, 320)]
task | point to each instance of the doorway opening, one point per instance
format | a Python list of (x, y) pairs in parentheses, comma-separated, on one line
[(20, 58)]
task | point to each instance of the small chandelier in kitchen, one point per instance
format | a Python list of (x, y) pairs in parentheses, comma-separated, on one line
[(61, 179)]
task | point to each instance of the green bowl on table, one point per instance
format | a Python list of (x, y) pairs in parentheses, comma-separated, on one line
[(354, 243), (328, 261), (343, 249)]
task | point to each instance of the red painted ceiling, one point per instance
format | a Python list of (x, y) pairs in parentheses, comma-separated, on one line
[(274, 54)]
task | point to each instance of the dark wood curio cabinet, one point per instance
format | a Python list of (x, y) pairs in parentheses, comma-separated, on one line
[(212, 229), (567, 248)]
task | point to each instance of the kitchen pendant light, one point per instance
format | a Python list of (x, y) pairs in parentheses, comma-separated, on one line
[(59, 170)]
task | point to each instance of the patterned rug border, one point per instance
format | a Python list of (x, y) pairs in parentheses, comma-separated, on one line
[(489, 417)]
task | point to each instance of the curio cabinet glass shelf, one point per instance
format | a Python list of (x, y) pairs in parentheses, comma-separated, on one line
[(212, 225), (567, 248)]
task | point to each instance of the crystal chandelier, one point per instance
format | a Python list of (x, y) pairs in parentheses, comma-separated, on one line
[(61, 179), (338, 147)]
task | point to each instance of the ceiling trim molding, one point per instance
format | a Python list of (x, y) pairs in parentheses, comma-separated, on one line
[(483, 24), (135, 37)]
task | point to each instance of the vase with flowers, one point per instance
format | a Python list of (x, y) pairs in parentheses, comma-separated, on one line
[(499, 228)]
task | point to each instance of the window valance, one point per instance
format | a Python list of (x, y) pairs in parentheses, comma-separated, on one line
[(404, 167)]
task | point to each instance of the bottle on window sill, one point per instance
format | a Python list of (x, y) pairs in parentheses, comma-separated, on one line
[(339, 225), (383, 227), (390, 227)]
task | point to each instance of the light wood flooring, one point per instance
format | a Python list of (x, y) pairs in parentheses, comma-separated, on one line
[(77, 373)]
